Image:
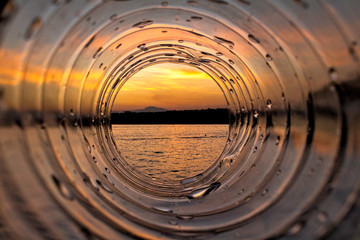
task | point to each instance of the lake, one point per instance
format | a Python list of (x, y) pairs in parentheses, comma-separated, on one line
[(170, 152)]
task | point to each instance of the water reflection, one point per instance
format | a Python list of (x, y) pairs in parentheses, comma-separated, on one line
[(170, 152)]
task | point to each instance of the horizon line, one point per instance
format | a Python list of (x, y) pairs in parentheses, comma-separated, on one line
[(169, 110)]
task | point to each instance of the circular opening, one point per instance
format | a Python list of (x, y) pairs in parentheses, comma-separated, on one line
[(170, 121)]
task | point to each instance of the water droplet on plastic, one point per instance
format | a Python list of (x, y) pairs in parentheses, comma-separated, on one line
[(143, 23), (228, 162), (223, 40), (256, 114), (277, 140), (244, 2), (220, 163), (268, 104), (202, 192), (113, 17), (164, 4), (219, 1), (278, 172), (196, 18), (89, 42), (190, 180), (302, 3), (142, 46), (296, 228), (33, 28), (322, 217), (253, 39), (255, 149), (62, 188), (163, 209), (185, 217), (109, 179), (268, 57), (283, 97), (103, 186), (231, 61), (173, 222), (333, 74), (98, 53), (264, 192), (92, 181)]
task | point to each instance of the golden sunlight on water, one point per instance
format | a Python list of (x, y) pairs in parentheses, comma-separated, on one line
[(171, 152)]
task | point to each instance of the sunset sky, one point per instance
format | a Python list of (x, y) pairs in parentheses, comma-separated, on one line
[(170, 86)]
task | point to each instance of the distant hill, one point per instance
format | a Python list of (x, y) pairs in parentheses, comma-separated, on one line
[(150, 109), (202, 116)]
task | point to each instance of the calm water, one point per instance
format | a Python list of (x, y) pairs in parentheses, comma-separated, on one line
[(170, 151)]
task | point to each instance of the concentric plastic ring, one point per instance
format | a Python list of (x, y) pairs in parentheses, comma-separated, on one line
[(289, 71)]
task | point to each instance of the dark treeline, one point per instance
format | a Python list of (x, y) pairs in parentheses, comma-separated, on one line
[(203, 116)]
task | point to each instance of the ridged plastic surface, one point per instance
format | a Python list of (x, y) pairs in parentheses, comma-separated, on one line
[(290, 73)]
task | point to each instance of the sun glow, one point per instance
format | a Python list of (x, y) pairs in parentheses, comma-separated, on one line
[(170, 86)]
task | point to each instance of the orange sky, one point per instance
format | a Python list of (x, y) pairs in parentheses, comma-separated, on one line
[(170, 86)]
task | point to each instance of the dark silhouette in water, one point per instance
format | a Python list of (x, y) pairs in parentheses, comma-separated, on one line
[(203, 116)]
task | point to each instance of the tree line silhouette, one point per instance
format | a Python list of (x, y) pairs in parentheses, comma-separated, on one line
[(202, 116)]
